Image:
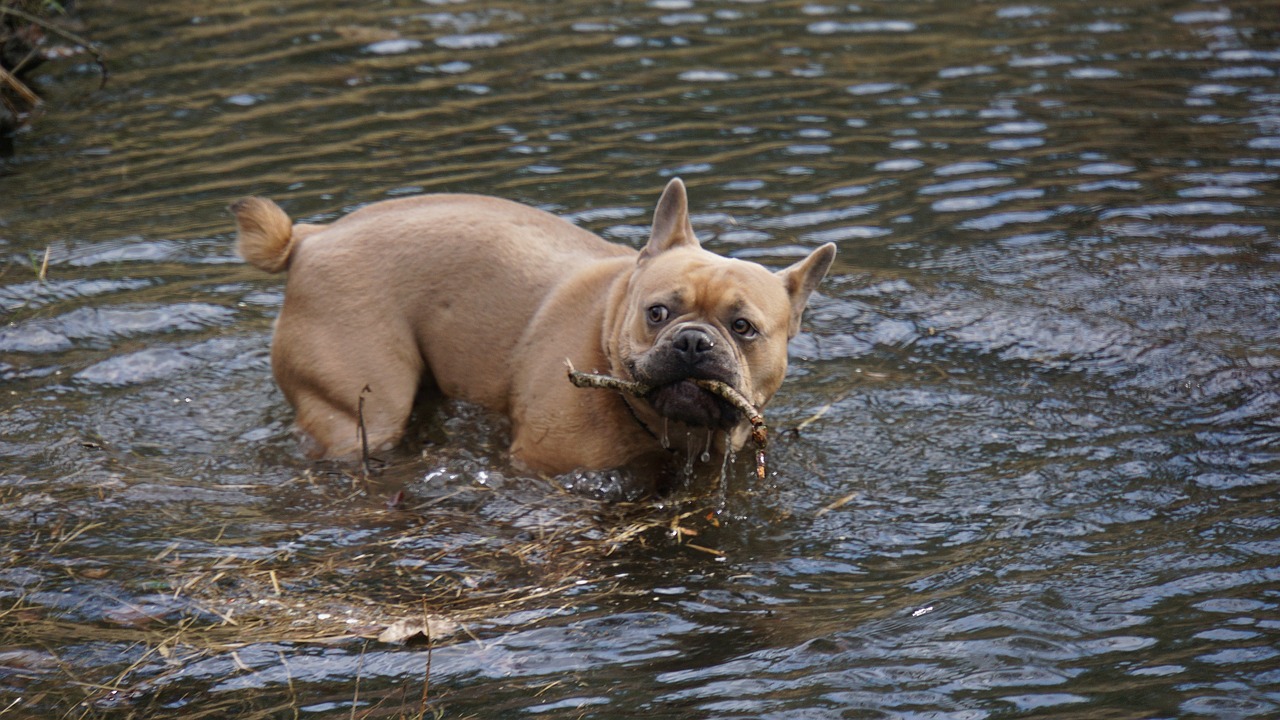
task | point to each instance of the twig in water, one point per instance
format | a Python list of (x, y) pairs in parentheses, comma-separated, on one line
[(355, 698), (19, 87), (362, 433), (426, 680), (836, 504), (759, 433), (288, 672)]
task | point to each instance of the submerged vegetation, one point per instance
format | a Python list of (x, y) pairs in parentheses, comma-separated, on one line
[(205, 599)]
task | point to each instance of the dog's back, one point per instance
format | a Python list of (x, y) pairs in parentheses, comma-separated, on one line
[(437, 286)]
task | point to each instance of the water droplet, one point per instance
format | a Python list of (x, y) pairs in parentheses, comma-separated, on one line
[(688, 457)]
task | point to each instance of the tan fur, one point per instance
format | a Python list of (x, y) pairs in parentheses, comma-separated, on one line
[(266, 234), (486, 298)]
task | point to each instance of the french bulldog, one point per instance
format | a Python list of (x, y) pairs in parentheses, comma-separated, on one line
[(487, 299)]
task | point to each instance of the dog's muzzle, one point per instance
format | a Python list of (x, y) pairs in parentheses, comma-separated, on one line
[(691, 352)]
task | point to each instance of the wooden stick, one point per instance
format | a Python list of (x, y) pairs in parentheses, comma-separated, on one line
[(19, 87), (606, 382), (44, 265), (759, 433), (362, 433)]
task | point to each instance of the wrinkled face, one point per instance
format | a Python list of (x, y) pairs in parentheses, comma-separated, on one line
[(694, 315)]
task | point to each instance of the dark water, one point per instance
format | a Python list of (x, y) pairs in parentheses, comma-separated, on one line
[(1031, 445)]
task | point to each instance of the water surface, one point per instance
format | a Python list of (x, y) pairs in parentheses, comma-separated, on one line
[(1027, 454)]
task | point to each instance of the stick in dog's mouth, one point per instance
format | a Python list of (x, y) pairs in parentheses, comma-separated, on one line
[(726, 392)]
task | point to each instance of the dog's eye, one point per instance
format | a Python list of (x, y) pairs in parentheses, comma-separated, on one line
[(657, 314), (743, 327)]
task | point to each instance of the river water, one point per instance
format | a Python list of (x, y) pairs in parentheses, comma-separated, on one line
[(1026, 460)]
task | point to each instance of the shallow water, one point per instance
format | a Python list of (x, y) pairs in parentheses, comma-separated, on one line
[(1027, 458)]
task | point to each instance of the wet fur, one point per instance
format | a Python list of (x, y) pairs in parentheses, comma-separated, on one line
[(486, 298)]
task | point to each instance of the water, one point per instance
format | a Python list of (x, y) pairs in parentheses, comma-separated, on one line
[(1025, 462)]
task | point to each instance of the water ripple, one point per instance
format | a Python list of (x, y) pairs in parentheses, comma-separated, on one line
[(94, 326), (1024, 459)]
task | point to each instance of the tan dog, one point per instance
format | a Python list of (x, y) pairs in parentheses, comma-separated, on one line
[(487, 298)]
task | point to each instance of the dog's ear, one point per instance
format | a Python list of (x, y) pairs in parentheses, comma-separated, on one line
[(671, 228), (802, 278)]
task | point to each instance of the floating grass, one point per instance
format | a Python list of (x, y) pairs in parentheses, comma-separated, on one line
[(199, 596)]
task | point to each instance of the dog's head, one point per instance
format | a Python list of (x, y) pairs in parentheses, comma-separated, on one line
[(689, 314)]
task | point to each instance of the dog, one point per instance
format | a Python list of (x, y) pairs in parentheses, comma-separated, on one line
[(487, 298)]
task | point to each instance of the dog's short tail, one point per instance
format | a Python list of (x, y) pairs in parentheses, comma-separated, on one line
[(267, 236)]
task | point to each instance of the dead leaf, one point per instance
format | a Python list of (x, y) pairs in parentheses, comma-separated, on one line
[(415, 632)]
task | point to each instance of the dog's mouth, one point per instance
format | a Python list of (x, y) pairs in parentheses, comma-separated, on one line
[(684, 401)]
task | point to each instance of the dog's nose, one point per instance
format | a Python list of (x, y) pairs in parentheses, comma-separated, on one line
[(693, 345)]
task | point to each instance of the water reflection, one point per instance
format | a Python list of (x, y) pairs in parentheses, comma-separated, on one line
[(1031, 463)]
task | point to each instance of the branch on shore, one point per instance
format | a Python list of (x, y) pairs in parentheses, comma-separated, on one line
[(23, 29)]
